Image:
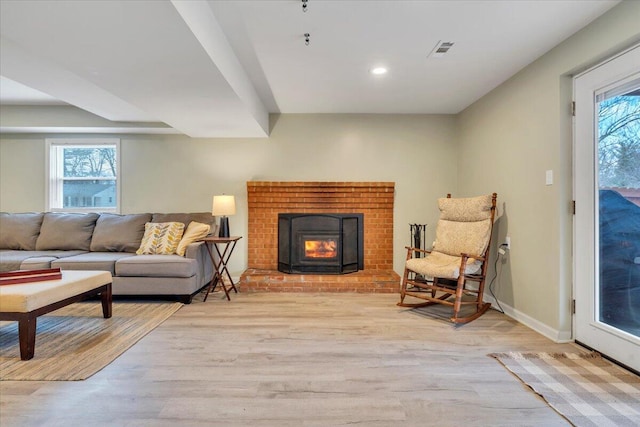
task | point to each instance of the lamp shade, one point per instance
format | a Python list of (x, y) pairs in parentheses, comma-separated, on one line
[(223, 205)]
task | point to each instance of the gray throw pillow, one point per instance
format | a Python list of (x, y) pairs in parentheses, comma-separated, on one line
[(19, 230), (66, 231), (119, 233)]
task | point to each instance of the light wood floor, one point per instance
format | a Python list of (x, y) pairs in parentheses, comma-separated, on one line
[(273, 359)]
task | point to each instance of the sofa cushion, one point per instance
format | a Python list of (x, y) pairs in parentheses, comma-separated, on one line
[(19, 230), (161, 238), (17, 259), (185, 218), (118, 233), (195, 231), (156, 266), (66, 231), (104, 261), (37, 262)]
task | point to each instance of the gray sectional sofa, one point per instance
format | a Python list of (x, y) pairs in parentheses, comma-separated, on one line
[(92, 241)]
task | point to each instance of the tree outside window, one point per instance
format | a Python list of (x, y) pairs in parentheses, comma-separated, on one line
[(83, 175), (619, 141)]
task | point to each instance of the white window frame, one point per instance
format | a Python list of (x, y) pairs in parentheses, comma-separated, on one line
[(588, 328), (54, 170)]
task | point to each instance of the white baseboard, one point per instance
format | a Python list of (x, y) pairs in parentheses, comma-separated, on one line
[(542, 328)]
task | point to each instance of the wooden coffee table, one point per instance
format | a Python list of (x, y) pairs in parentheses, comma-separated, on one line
[(24, 302)]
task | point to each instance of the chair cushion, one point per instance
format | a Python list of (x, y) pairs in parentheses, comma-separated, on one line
[(161, 238), (156, 266), (437, 264), (66, 231), (118, 233), (466, 209), (19, 230), (464, 225), (455, 238)]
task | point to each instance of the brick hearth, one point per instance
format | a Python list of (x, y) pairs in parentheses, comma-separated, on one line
[(267, 199)]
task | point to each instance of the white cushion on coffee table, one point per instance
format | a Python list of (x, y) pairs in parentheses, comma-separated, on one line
[(26, 297)]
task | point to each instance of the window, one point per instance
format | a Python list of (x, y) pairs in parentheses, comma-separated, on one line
[(83, 175)]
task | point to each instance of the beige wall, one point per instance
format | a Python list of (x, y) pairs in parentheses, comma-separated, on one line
[(22, 177), (509, 138), (176, 173)]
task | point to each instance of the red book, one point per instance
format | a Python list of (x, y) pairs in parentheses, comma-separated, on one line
[(27, 276)]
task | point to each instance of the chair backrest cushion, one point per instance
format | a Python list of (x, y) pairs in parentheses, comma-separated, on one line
[(464, 226)]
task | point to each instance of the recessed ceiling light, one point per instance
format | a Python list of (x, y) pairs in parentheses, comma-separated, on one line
[(378, 71)]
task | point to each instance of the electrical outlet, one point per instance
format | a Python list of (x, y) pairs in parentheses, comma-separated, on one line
[(507, 242)]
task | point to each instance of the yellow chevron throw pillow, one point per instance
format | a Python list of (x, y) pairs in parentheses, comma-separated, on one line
[(161, 238)]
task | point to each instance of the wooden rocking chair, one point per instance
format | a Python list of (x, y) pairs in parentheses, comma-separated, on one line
[(460, 254)]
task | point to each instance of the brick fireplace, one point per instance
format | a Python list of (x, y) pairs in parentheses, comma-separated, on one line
[(374, 200)]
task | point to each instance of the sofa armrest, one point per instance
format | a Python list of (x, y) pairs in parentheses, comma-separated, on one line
[(193, 250), (199, 252)]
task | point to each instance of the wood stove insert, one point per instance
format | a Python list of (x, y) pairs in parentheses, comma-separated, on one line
[(320, 243)]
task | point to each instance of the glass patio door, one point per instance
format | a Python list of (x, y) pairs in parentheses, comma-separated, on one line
[(607, 220)]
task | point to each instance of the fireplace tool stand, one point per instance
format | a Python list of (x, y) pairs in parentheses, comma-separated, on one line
[(417, 238)]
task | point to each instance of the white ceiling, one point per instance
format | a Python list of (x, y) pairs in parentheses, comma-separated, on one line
[(218, 68)]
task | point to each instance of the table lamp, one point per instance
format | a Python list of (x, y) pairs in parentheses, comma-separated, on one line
[(222, 206)]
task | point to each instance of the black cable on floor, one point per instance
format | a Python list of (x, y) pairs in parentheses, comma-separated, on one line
[(495, 268)]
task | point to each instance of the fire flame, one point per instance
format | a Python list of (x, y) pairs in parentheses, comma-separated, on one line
[(320, 248)]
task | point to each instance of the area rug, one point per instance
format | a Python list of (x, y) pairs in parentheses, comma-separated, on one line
[(75, 342), (585, 388)]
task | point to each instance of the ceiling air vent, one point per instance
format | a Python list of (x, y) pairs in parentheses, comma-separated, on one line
[(441, 49)]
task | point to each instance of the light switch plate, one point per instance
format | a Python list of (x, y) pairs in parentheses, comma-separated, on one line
[(549, 177)]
